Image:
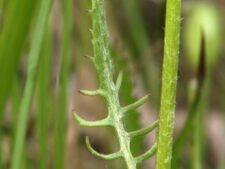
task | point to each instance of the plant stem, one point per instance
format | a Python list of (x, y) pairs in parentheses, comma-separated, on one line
[(169, 82), (103, 65), (39, 28), (132, 122)]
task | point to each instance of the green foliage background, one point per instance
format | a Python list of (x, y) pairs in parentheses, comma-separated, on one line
[(42, 44)]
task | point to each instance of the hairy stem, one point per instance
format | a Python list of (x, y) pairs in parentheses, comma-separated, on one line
[(102, 61), (169, 82)]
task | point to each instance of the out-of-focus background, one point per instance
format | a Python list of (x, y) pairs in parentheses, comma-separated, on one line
[(53, 138)]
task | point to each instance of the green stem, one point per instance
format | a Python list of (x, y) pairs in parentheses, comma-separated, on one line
[(103, 65), (30, 82), (169, 82)]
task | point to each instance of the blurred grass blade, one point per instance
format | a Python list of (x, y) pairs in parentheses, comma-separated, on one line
[(11, 44), (198, 121), (12, 40), (43, 98), (62, 100), (136, 25), (16, 95), (34, 53), (194, 108), (139, 46)]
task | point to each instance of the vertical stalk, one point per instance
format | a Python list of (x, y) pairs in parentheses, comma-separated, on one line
[(169, 82), (33, 59), (62, 98), (103, 64)]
